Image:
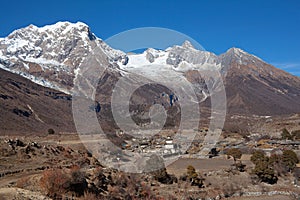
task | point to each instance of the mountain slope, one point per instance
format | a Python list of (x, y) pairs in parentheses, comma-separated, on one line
[(255, 87), (30, 108), (53, 56)]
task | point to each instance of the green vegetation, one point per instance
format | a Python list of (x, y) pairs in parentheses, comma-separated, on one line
[(290, 159), (296, 135), (269, 168), (285, 135), (265, 172), (191, 172), (263, 168), (236, 154), (193, 177), (258, 156), (162, 176)]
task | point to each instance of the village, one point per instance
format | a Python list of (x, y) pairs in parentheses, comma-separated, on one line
[(165, 145), (161, 145)]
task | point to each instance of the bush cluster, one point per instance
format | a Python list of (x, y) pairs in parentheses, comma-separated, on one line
[(268, 169)]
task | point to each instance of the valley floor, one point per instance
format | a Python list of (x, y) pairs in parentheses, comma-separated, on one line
[(21, 172)]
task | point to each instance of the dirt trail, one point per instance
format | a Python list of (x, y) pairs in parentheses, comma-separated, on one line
[(20, 194), (179, 166), (5, 181)]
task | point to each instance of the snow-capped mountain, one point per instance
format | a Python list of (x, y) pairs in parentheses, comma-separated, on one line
[(54, 55), (51, 55), (175, 57)]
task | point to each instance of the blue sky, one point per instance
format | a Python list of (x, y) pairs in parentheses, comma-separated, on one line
[(268, 29)]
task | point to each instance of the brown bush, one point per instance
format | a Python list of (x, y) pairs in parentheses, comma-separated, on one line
[(162, 176), (23, 182), (54, 181), (77, 182), (129, 186), (89, 196)]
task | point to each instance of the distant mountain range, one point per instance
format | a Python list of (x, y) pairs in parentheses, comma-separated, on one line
[(52, 57)]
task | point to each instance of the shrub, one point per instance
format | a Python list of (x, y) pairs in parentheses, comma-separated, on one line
[(285, 135), (258, 156), (193, 177), (77, 182), (265, 172), (296, 135), (51, 131), (54, 181), (127, 186), (191, 172), (162, 176), (235, 153), (290, 159), (264, 167), (276, 161), (89, 196), (23, 182)]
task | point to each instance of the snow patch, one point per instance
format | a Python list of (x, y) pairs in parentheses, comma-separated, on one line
[(42, 61), (37, 80)]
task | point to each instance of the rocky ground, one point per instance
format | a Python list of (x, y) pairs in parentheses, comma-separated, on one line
[(28, 164)]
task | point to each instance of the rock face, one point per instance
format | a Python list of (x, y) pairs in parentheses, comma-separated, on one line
[(68, 57)]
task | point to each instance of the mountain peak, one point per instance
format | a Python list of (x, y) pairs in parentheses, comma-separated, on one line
[(187, 44), (240, 54), (236, 51), (59, 28), (65, 25), (56, 40)]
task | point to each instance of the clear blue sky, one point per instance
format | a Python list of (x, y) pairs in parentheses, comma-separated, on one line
[(268, 29)]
